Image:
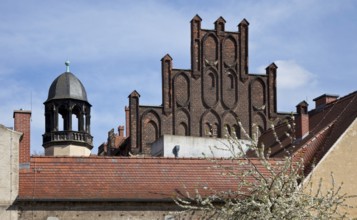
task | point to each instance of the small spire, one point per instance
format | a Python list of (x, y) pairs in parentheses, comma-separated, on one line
[(67, 65)]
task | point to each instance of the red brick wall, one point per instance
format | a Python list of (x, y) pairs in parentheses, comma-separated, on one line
[(22, 121)]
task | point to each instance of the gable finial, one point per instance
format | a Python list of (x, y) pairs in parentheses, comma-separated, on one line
[(67, 65)]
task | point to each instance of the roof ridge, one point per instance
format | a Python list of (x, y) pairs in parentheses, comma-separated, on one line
[(331, 107), (55, 159), (343, 98)]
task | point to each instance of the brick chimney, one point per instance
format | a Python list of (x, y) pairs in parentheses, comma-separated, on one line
[(302, 120), (324, 99), (121, 131), (22, 120)]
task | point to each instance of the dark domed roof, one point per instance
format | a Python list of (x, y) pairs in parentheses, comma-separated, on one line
[(67, 86)]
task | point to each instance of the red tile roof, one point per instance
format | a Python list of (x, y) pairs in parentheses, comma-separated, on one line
[(120, 179), (327, 124), (145, 179)]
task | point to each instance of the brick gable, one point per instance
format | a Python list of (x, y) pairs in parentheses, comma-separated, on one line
[(211, 95)]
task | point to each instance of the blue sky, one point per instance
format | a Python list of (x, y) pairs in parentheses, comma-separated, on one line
[(116, 46)]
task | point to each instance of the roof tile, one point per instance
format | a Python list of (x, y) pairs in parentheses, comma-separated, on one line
[(108, 178)]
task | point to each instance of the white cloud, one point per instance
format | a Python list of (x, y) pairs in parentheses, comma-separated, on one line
[(293, 76), (294, 84), (116, 47)]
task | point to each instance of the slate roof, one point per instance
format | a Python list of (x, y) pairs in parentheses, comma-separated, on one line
[(67, 86), (121, 179)]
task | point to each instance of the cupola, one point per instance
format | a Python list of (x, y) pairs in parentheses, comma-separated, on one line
[(67, 116)]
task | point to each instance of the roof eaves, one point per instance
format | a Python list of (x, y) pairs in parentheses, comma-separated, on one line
[(28, 199)]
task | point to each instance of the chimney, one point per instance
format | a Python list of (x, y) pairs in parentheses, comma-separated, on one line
[(324, 99), (121, 131), (127, 130), (22, 120), (302, 120)]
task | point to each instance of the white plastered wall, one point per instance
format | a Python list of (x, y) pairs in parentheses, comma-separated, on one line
[(341, 161), (9, 171), (192, 146), (67, 150)]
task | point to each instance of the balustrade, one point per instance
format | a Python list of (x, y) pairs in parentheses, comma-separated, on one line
[(58, 136)]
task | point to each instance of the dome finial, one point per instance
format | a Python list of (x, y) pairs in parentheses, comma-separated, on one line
[(67, 65)]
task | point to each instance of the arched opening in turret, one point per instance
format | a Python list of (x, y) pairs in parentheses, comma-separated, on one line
[(60, 123), (63, 124), (77, 119), (75, 125), (85, 129)]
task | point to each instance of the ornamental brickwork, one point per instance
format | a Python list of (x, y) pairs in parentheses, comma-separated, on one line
[(209, 97)]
